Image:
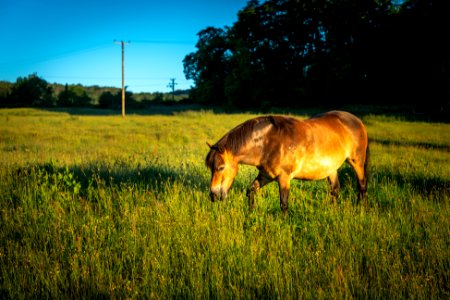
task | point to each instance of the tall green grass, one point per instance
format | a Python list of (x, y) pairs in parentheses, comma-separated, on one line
[(105, 207)]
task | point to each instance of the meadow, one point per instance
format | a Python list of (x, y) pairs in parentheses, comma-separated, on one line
[(97, 206)]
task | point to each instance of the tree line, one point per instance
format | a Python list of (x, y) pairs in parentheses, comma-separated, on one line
[(306, 52), (34, 91)]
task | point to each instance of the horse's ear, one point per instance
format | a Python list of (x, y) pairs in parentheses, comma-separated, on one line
[(221, 149)]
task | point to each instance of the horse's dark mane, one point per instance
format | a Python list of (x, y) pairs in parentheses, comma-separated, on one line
[(235, 138), (239, 135)]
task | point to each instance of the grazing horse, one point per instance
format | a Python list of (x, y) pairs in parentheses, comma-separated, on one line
[(285, 148)]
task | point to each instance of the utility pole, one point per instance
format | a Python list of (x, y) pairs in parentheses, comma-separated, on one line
[(172, 86), (123, 75)]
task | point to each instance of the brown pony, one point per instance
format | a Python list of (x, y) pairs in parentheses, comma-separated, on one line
[(284, 148)]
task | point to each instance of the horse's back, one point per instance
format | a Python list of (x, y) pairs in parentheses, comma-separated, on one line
[(338, 125), (342, 120), (345, 117)]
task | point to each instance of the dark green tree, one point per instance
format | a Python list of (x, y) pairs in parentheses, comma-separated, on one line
[(32, 91), (208, 67), (5, 91), (109, 100), (73, 96), (282, 52)]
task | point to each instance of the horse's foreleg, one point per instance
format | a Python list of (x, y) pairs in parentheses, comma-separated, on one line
[(362, 195), (251, 193), (335, 186), (284, 184), (258, 183)]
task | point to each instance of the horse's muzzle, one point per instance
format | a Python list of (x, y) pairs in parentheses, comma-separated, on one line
[(218, 195)]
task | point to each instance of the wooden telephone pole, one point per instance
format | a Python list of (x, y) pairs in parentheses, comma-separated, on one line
[(123, 75)]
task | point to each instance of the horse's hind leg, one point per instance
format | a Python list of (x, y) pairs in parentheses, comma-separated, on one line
[(334, 185), (258, 183), (360, 168)]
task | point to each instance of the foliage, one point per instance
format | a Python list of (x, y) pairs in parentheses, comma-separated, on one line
[(109, 100), (73, 96), (207, 66), (106, 207), (31, 91), (24, 90), (284, 53), (5, 91)]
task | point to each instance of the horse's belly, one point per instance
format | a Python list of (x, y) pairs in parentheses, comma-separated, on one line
[(318, 168)]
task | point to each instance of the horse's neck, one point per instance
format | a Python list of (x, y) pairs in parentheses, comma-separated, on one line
[(250, 152), (249, 155)]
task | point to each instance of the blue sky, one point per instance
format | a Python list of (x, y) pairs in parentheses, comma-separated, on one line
[(73, 41)]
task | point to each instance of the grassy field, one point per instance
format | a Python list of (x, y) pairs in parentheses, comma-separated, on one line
[(96, 206)]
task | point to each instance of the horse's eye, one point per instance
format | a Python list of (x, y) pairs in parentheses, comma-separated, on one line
[(220, 168)]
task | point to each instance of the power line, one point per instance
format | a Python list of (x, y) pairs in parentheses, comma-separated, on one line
[(55, 55), (162, 42)]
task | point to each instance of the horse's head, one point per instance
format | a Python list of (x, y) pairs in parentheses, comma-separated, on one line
[(223, 168)]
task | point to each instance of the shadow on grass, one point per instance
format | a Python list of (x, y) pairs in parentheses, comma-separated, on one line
[(432, 146), (156, 177), (81, 179), (156, 109), (405, 113), (430, 187)]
